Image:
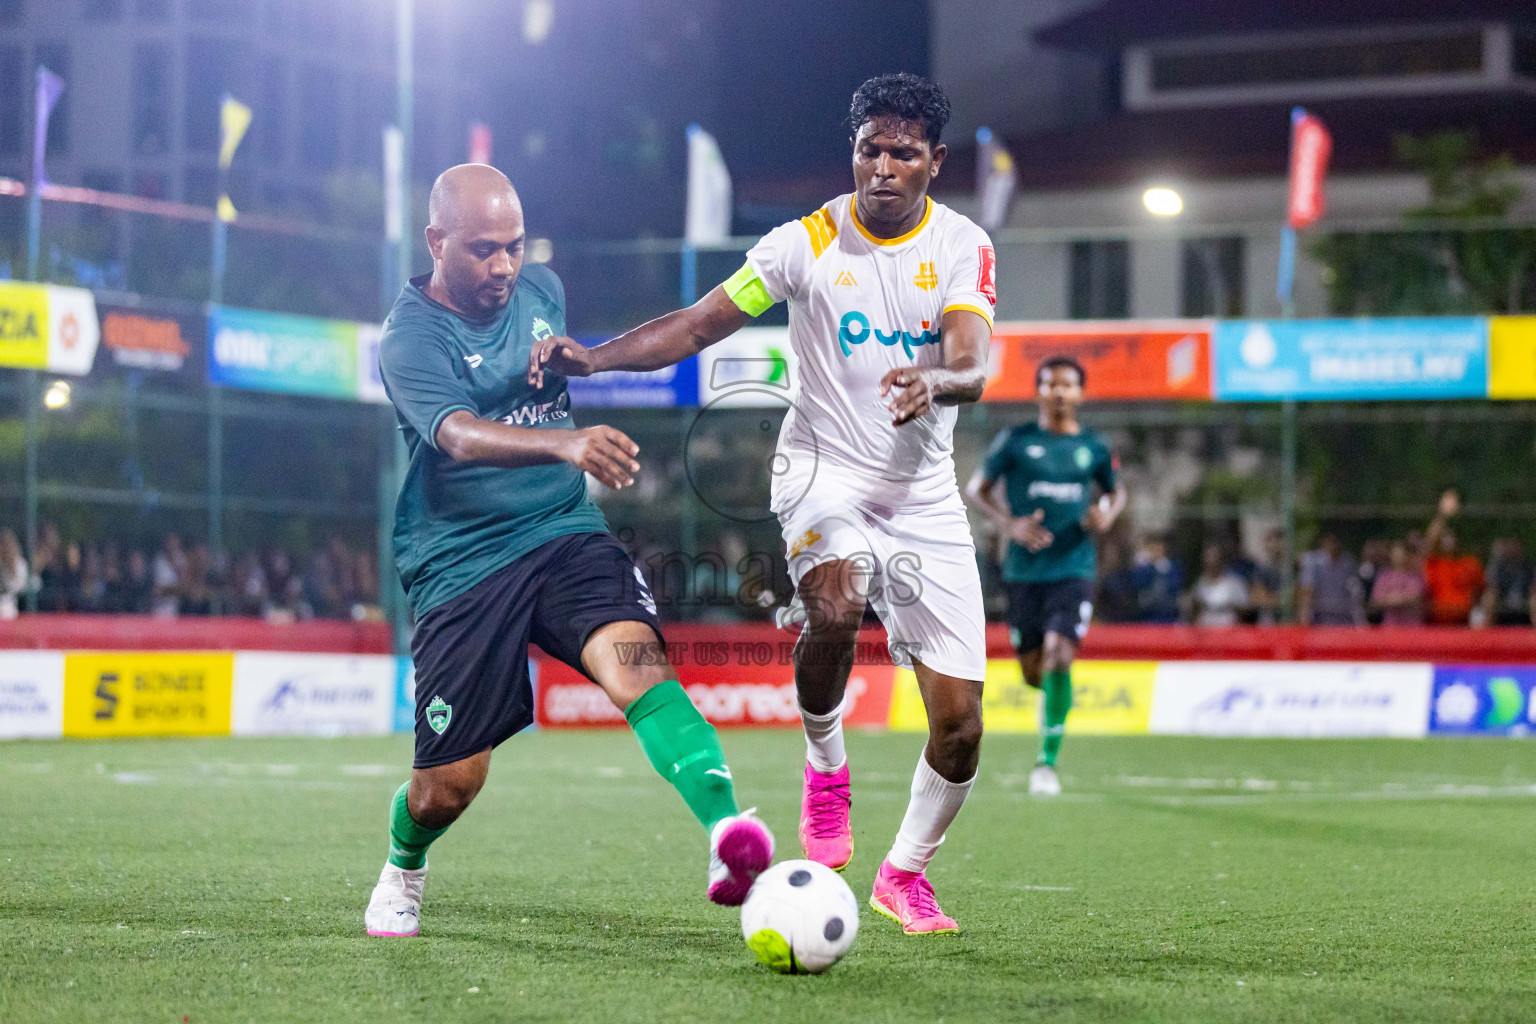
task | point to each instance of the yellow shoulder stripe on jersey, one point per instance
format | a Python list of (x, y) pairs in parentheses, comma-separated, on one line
[(970, 309), (853, 213), (822, 230)]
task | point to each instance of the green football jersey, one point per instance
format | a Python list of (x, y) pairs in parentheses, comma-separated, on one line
[(455, 524), (1053, 472)]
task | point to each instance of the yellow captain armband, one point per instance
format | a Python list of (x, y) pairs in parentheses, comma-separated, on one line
[(747, 290)]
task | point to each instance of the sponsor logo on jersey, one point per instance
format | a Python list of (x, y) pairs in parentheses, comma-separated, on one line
[(1083, 457), (846, 279), (439, 714), (926, 278), (474, 361), (541, 329), (808, 538), (531, 415), (1055, 491), (986, 277), (854, 329), (1035, 451)]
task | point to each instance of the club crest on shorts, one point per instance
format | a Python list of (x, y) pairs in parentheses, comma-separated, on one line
[(806, 540), (439, 714)]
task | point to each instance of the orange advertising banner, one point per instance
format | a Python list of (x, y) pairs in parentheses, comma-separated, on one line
[(1124, 359)]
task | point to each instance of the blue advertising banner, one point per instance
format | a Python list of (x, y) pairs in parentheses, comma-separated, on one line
[(668, 387), (259, 351), (1486, 699), (1391, 357)]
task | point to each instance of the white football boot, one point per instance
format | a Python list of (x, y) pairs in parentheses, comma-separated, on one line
[(394, 909), (1043, 781)]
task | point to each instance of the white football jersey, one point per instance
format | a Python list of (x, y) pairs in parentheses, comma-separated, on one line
[(860, 306)]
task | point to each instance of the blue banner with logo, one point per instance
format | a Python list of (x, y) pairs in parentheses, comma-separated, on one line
[(1485, 699), (666, 388), (1390, 357), (300, 355)]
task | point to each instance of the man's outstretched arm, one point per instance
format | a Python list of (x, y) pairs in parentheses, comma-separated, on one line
[(662, 342)]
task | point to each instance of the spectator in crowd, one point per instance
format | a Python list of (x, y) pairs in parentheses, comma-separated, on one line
[(1510, 599), (15, 578), (196, 592), (135, 593), (1453, 582), (1219, 596), (167, 569), (1328, 592), (1397, 597), (1264, 579), (59, 580), (1374, 557), (1116, 599), (1159, 580)]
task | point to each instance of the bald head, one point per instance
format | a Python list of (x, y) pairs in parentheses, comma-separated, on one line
[(476, 238), (470, 192)]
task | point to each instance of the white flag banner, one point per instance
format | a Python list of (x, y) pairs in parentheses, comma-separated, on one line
[(995, 180), (709, 191)]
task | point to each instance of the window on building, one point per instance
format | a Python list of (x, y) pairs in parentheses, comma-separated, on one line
[(102, 10), (55, 57), (220, 11), (212, 69), (320, 128), (1458, 52), (13, 103), (269, 130), (200, 185), (1525, 53), (1099, 282), (150, 185), (151, 99), (1213, 277)]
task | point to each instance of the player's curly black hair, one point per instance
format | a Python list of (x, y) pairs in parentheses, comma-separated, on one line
[(1047, 365), (906, 96)]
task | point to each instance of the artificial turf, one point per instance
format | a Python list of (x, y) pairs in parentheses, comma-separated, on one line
[(215, 880)]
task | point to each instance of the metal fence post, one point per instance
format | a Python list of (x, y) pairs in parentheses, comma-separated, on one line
[(32, 399), (1288, 508)]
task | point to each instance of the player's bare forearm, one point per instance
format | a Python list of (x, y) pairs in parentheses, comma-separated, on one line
[(981, 494), (961, 379), (604, 452)]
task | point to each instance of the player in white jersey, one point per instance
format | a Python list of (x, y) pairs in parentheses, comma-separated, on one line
[(890, 313)]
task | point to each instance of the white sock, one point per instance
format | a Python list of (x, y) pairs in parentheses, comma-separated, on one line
[(935, 802), (824, 740)]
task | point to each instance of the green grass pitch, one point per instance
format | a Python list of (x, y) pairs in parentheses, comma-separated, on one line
[(1177, 880)]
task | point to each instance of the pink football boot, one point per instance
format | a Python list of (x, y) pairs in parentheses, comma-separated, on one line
[(825, 835), (906, 898)]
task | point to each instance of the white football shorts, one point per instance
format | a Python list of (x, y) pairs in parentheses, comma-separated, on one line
[(916, 568)]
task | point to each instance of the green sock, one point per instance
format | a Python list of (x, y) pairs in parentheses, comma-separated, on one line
[(1057, 701), (408, 841), (685, 749)]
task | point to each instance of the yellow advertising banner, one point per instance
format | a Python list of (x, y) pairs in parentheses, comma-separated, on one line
[(23, 325), (133, 694), (1512, 357), (1109, 698)]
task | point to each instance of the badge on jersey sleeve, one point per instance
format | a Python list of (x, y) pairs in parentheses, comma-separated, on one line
[(986, 279)]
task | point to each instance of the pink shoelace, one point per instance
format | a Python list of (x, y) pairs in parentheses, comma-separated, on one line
[(829, 806), (921, 899)]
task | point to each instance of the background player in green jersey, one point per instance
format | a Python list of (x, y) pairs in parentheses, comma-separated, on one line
[(498, 546), (1049, 514)]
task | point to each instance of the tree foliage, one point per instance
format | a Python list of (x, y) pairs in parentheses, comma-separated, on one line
[(1453, 255)]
